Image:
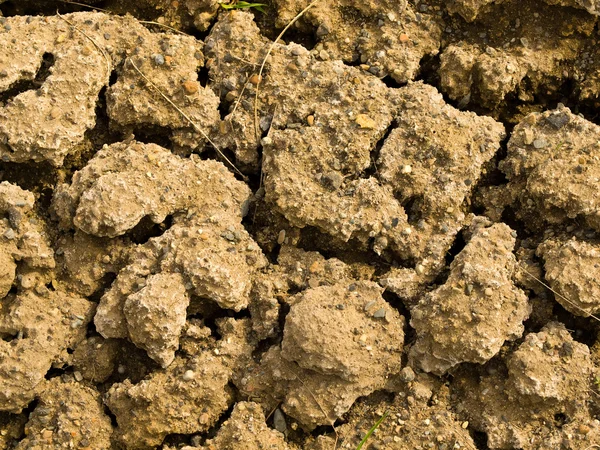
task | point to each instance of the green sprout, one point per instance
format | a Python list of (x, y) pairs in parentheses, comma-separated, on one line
[(372, 430), (244, 5)]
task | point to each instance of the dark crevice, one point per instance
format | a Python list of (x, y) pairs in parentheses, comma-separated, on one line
[(203, 76), (480, 439), (371, 171), (200, 439), (22, 86), (391, 83), (410, 334), (306, 38), (97, 137), (354, 63), (584, 330), (413, 206), (210, 320), (113, 418), (147, 229), (195, 32), (30, 407), (510, 218), (429, 67), (154, 134), (264, 345), (237, 170), (39, 178), (353, 251), (457, 246), (10, 336), (55, 372), (560, 419), (105, 283)]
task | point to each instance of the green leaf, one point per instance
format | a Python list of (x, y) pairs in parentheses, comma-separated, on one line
[(244, 5), (373, 428)]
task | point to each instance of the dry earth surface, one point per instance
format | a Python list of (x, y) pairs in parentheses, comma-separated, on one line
[(399, 216)]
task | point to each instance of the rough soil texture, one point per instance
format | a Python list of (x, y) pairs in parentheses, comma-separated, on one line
[(397, 218)]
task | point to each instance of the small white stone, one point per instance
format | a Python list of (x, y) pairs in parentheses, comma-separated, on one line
[(188, 375), (406, 169)]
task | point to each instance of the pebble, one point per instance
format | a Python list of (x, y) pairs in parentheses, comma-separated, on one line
[(558, 120), (86, 50), (310, 120), (190, 87), (158, 59), (254, 79), (407, 374), (540, 143), (380, 313), (281, 237), (404, 38), (406, 169), (323, 30), (188, 375), (279, 421), (77, 376), (488, 292), (583, 429), (9, 234), (47, 434), (231, 96)]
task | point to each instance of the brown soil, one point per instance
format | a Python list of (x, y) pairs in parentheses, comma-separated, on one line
[(400, 218)]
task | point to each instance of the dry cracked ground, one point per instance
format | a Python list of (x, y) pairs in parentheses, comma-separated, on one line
[(399, 216)]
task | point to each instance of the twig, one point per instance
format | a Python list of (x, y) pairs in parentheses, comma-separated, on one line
[(560, 295), (100, 49), (262, 66), (150, 22), (190, 121), (237, 102)]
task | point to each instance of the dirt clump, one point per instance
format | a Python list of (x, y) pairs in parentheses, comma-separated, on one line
[(25, 248), (68, 414), (388, 38), (547, 377), (37, 329), (245, 427), (63, 108), (550, 168), (479, 298), (148, 300), (317, 375), (571, 269), (210, 239)]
